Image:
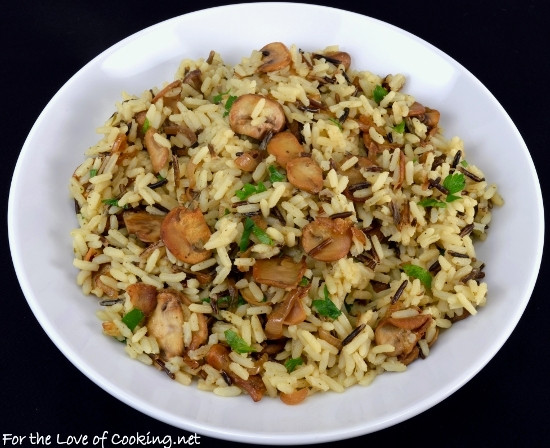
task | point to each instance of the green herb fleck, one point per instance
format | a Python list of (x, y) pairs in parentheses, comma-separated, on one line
[(114, 202), (133, 318), (228, 103), (464, 163), (275, 175), (304, 281), (218, 98), (237, 343), (400, 128), (292, 363), (245, 238), (326, 307), (263, 237), (421, 274), (146, 125), (379, 93), (93, 173), (431, 202), (454, 183), (249, 189), (336, 122)]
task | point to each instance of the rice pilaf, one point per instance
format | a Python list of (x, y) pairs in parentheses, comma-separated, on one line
[(284, 226)]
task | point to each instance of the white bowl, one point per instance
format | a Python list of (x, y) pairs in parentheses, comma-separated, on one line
[(39, 224)]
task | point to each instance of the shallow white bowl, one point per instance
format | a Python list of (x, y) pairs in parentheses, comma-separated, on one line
[(40, 224)]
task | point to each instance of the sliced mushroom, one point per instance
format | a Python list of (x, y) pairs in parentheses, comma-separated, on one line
[(170, 94), (189, 136), (158, 153), (248, 161), (193, 78), (356, 180), (327, 239), (218, 357), (288, 312), (144, 225), (143, 297), (107, 290), (199, 337), (285, 147), (295, 397), (339, 57), (305, 173), (185, 232), (282, 272), (403, 334), (120, 143), (166, 323), (275, 57), (240, 118)]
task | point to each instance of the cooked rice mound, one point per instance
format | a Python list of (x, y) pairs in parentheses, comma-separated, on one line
[(281, 227)]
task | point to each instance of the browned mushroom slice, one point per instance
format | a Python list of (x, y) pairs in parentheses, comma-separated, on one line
[(140, 118), (107, 290), (185, 131), (120, 143), (275, 57), (144, 225), (403, 334), (185, 232), (193, 78), (356, 180), (339, 57), (288, 312), (201, 335), (285, 147), (158, 153), (248, 161), (218, 357), (166, 323), (327, 239), (280, 272), (170, 94), (240, 116), (305, 173), (143, 297)]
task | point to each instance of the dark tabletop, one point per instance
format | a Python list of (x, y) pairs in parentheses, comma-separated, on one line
[(504, 44)]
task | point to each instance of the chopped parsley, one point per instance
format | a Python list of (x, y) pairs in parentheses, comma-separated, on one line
[(113, 202), (399, 128), (133, 318), (464, 163), (418, 272), (237, 343), (292, 363), (379, 93), (431, 202), (146, 125), (275, 175), (454, 183), (336, 122), (263, 237), (249, 189), (304, 281), (245, 238), (93, 173), (251, 227), (326, 307), (228, 104), (217, 99)]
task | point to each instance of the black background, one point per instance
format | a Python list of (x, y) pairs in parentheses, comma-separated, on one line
[(504, 44)]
